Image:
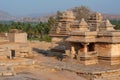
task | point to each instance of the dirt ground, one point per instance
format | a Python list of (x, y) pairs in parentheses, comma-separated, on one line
[(40, 72)]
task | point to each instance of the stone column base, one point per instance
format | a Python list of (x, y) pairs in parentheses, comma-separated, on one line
[(88, 60), (109, 60)]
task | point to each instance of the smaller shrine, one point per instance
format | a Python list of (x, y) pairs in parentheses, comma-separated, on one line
[(95, 46), (62, 27), (15, 51), (91, 41)]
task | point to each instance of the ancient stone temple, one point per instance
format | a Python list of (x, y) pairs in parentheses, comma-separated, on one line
[(61, 30), (95, 46), (95, 20), (91, 41), (62, 26)]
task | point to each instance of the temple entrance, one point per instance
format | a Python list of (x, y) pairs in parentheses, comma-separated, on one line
[(79, 50), (12, 54), (76, 50), (91, 47)]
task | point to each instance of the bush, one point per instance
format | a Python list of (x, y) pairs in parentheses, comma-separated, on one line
[(45, 38)]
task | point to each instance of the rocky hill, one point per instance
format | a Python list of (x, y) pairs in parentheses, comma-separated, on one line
[(111, 16), (6, 16)]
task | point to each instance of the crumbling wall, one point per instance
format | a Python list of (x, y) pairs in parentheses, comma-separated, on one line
[(17, 37)]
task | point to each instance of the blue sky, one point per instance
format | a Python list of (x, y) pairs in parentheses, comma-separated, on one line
[(23, 7)]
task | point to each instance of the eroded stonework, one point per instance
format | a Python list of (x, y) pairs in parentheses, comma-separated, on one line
[(14, 51), (90, 41)]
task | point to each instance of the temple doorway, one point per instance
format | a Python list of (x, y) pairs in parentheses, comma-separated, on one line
[(12, 54), (91, 47)]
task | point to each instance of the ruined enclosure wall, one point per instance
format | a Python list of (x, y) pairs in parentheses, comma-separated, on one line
[(115, 52), (11, 37), (21, 37), (103, 49), (17, 37)]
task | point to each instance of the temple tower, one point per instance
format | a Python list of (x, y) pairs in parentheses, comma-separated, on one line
[(95, 20), (62, 26)]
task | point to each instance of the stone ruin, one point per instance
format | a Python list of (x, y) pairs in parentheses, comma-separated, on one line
[(91, 41), (19, 43), (61, 30), (14, 51), (62, 27)]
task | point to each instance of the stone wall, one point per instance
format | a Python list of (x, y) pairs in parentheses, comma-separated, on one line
[(115, 51), (4, 52), (17, 37), (108, 53), (11, 37), (21, 37), (103, 49)]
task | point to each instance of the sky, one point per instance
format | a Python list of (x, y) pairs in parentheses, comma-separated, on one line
[(24, 7)]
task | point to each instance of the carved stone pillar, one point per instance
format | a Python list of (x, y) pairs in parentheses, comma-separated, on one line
[(10, 55), (86, 58), (85, 47)]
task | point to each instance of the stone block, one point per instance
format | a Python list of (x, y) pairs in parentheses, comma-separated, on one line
[(0, 73), (7, 73)]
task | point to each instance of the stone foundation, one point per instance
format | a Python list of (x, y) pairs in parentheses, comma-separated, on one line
[(109, 60), (88, 60), (5, 70), (102, 75)]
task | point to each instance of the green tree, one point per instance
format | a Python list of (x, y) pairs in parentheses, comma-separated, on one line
[(29, 30), (40, 28)]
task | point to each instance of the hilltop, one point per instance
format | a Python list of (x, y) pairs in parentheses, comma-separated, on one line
[(112, 16), (6, 16)]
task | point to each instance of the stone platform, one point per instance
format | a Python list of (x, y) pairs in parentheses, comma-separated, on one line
[(90, 72), (17, 62), (7, 66), (6, 71)]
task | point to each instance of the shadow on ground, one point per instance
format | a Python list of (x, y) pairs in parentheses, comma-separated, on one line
[(48, 53)]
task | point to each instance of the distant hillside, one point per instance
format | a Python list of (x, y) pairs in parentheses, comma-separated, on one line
[(111, 16), (36, 17), (6, 16)]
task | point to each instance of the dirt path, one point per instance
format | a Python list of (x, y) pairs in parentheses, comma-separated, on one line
[(41, 72)]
